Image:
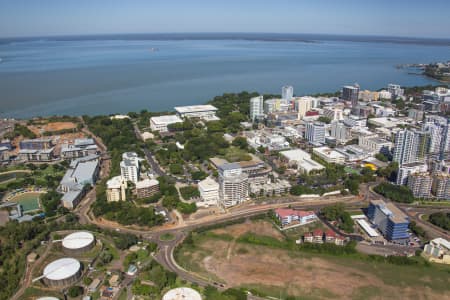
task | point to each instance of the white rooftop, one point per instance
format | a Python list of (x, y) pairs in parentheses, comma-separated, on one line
[(78, 240), (114, 183), (327, 151), (168, 119), (296, 154), (146, 183), (182, 293), (442, 242), (367, 228), (208, 184), (62, 268), (194, 108)]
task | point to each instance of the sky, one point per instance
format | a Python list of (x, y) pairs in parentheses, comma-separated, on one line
[(411, 18)]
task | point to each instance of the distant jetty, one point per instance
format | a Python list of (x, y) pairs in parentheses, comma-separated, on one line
[(437, 70)]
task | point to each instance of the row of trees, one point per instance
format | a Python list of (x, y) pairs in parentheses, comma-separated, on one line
[(397, 193)]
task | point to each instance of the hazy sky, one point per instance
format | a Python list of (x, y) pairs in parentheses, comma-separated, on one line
[(422, 18)]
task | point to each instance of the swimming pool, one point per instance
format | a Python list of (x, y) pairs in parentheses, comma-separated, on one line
[(29, 201)]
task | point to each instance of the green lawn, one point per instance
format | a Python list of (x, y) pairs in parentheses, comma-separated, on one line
[(166, 237)]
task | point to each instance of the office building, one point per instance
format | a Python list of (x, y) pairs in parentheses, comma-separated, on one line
[(315, 132), (116, 189), (161, 123), (390, 220), (334, 113), (233, 185), (256, 108), (206, 112), (375, 144), (33, 155), (420, 184), (287, 92), (351, 94), (341, 132), (79, 148), (329, 155), (276, 105)]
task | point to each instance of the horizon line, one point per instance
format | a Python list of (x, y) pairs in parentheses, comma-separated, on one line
[(220, 32)]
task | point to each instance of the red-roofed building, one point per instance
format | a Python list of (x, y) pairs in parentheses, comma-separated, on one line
[(340, 241), (318, 236), (330, 236), (287, 216), (308, 237)]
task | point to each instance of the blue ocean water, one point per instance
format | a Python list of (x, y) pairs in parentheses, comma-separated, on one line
[(118, 74)]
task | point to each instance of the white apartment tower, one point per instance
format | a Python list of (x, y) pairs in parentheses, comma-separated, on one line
[(410, 146), (129, 167), (302, 105), (256, 107), (233, 185)]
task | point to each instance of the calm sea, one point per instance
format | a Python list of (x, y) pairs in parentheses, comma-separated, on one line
[(118, 74)]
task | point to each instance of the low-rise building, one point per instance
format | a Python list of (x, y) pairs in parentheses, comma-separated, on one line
[(329, 155), (4, 153), (30, 155), (36, 144), (438, 250), (375, 144), (80, 148), (206, 112), (82, 172), (147, 188), (287, 216), (209, 192), (302, 160), (116, 189), (270, 189), (318, 236), (160, 123)]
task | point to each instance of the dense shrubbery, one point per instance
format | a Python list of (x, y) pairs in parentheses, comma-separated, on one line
[(161, 278), (50, 201), (337, 213), (188, 192), (419, 231), (17, 240), (397, 193), (440, 219)]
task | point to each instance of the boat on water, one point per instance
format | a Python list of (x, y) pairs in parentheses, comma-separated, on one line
[(154, 49)]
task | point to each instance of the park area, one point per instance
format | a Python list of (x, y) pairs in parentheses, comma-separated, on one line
[(28, 201), (256, 256)]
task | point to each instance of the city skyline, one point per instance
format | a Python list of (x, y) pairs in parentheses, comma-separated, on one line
[(383, 18)]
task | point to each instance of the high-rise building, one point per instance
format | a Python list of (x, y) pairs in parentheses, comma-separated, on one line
[(129, 167), (302, 105), (340, 132), (233, 184), (315, 132), (351, 93), (420, 184), (410, 146), (441, 186), (406, 169), (395, 90), (287, 92), (116, 189), (334, 113), (390, 220), (256, 108)]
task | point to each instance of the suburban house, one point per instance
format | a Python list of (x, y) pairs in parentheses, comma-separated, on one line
[(287, 216)]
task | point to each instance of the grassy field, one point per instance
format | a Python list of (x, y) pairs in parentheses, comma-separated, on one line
[(220, 256)]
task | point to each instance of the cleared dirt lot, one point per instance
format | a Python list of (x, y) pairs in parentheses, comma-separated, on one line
[(281, 272)]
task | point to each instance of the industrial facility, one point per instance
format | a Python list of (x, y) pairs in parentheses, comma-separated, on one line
[(78, 242), (61, 272)]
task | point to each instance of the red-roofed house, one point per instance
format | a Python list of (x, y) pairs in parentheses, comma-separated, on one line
[(287, 216), (330, 236), (318, 236), (308, 237), (339, 240)]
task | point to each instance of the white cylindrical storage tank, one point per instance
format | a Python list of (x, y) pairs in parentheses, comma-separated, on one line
[(182, 293), (78, 242), (62, 272)]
